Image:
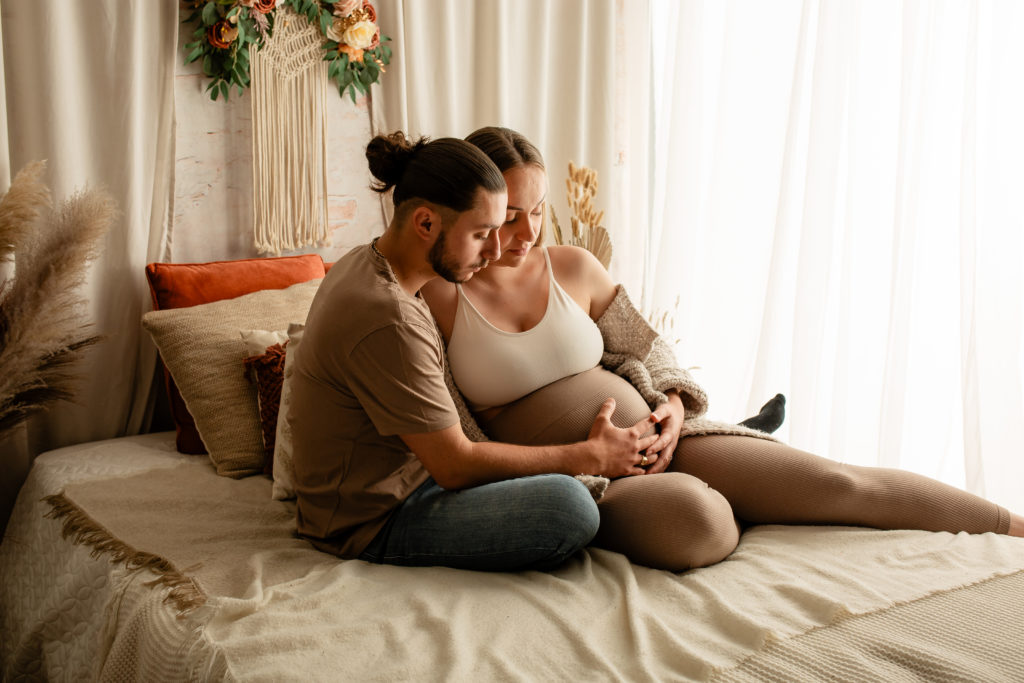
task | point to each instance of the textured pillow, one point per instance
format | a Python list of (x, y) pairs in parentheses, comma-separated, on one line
[(176, 285), (284, 471), (264, 365), (203, 352)]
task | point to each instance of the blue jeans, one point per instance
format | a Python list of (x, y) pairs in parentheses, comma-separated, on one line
[(527, 523)]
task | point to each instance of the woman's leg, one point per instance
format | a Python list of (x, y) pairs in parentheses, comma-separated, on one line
[(768, 482), (667, 521)]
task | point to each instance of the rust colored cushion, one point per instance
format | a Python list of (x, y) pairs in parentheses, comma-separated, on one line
[(177, 285)]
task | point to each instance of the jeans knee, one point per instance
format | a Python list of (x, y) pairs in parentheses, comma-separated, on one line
[(567, 518)]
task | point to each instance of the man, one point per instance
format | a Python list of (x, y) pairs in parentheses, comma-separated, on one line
[(383, 469)]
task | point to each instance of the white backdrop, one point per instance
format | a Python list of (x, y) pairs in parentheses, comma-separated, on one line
[(837, 205), (89, 88), (557, 72)]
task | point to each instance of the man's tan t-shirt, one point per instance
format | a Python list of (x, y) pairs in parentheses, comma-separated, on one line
[(370, 367)]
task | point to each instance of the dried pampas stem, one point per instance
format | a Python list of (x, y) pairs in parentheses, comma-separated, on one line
[(43, 328), (585, 221)]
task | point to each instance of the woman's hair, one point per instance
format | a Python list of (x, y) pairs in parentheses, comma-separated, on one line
[(505, 147), (509, 149), (446, 172)]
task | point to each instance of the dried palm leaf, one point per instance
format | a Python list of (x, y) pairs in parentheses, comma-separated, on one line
[(600, 245)]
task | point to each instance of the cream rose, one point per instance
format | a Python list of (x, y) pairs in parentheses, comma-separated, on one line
[(360, 35), (336, 30)]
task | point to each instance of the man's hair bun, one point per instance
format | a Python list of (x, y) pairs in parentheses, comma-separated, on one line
[(389, 156)]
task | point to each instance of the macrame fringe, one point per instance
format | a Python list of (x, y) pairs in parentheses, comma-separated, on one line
[(289, 141), (185, 595)]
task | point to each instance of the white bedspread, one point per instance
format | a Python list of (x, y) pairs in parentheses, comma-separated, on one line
[(68, 616)]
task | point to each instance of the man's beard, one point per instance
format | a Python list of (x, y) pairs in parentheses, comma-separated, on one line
[(444, 265)]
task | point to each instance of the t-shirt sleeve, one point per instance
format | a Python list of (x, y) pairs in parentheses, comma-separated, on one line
[(397, 376)]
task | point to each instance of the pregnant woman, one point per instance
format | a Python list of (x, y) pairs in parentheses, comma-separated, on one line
[(539, 339)]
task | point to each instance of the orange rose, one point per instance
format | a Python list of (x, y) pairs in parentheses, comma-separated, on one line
[(264, 6), (343, 8), (371, 13), (221, 34), (354, 53)]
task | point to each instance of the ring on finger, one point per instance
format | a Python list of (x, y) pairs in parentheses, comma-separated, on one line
[(643, 460)]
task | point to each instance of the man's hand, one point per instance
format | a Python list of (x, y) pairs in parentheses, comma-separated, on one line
[(669, 417), (617, 452)]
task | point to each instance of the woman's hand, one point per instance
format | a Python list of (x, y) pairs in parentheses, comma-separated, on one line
[(670, 418)]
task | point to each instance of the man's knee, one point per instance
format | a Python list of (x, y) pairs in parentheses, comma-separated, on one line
[(562, 515)]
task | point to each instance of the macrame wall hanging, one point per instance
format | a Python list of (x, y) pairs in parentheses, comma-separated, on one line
[(289, 141)]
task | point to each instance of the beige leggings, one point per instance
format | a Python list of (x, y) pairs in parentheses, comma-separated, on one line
[(687, 516)]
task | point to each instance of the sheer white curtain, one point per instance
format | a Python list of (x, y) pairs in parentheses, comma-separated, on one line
[(550, 70), (89, 87), (836, 205)]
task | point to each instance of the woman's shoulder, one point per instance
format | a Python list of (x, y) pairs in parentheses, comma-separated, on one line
[(582, 275), (569, 254), (576, 263)]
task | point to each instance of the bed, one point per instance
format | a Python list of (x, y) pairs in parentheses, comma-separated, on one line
[(128, 559)]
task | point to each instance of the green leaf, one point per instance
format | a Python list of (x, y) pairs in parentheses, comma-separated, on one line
[(194, 55), (359, 86), (325, 20), (352, 92), (224, 89), (241, 33), (210, 14), (208, 65)]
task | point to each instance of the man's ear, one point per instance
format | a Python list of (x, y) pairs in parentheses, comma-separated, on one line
[(426, 223)]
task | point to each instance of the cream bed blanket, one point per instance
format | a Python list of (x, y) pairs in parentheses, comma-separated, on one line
[(265, 605)]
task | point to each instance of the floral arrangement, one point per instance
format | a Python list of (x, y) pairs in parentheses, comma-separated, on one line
[(354, 46), (226, 31)]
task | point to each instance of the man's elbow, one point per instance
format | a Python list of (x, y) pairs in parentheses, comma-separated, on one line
[(450, 478), (448, 469)]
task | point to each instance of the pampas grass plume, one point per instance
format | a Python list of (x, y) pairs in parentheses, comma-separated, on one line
[(44, 330)]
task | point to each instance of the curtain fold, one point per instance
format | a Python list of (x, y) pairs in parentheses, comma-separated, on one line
[(833, 204), (89, 87)]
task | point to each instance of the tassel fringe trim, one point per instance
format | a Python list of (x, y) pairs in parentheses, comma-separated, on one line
[(184, 595)]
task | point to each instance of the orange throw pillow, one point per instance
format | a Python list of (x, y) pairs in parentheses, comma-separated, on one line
[(176, 285)]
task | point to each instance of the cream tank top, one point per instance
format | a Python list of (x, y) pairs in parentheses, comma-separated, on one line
[(493, 367)]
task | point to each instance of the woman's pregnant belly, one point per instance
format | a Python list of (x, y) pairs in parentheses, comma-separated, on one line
[(564, 411)]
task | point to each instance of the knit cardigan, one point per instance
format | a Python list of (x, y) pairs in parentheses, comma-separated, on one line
[(635, 351)]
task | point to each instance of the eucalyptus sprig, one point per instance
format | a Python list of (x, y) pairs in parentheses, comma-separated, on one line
[(226, 32)]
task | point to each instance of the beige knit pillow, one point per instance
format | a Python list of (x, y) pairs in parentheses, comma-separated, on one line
[(202, 349)]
